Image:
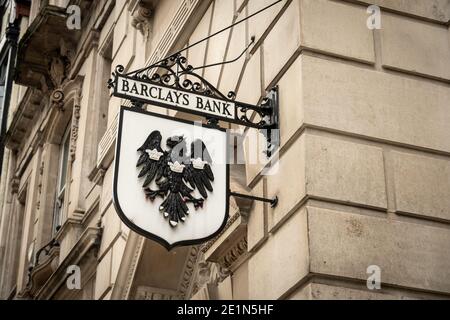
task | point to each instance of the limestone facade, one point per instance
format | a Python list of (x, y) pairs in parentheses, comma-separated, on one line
[(362, 172)]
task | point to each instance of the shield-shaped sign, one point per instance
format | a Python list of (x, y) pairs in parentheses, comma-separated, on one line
[(171, 181)]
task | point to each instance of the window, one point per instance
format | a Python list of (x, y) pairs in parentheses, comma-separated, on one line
[(106, 69), (3, 69), (62, 181), (99, 109)]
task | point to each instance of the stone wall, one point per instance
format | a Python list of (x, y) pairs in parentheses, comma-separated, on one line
[(363, 176)]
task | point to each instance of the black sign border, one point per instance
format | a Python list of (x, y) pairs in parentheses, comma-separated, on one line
[(147, 234), (237, 105)]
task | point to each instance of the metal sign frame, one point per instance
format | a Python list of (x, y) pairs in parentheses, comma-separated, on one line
[(174, 73), (175, 77)]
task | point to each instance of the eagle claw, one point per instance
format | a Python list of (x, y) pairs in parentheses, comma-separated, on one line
[(198, 203), (151, 194)]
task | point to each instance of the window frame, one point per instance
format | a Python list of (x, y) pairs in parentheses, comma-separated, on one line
[(62, 180)]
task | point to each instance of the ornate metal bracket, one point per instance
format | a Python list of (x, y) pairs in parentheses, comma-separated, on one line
[(176, 74)]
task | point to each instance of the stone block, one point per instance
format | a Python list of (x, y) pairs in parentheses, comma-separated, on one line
[(250, 90), (337, 27), (374, 104), (415, 46), (281, 43), (117, 256), (410, 255), (422, 185), (257, 220), (281, 262), (259, 25), (287, 181), (222, 17), (196, 54), (438, 10), (232, 72), (290, 95), (345, 171), (111, 229), (103, 276), (120, 30)]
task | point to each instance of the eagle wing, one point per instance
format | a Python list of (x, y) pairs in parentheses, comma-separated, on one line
[(152, 160), (198, 173)]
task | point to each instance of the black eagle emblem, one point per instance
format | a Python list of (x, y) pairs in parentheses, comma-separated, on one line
[(177, 173)]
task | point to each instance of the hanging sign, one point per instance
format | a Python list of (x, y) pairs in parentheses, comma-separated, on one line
[(171, 180)]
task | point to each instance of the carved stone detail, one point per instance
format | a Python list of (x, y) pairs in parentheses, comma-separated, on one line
[(132, 268), (60, 64), (57, 71), (207, 273), (75, 125), (57, 99), (187, 278), (15, 184), (149, 293), (41, 173), (210, 273), (234, 254), (221, 274), (142, 20)]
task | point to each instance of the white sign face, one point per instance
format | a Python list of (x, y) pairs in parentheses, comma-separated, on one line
[(171, 181), (177, 99)]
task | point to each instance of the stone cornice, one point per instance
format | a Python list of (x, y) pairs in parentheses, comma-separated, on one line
[(67, 226), (34, 55), (235, 254)]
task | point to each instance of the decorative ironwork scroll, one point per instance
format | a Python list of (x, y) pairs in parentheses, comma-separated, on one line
[(172, 83)]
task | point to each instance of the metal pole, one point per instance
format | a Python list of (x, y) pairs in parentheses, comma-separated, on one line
[(273, 202)]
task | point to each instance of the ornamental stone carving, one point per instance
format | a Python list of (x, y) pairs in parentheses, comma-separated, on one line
[(57, 99), (57, 71), (60, 63), (142, 19), (75, 125), (15, 183)]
